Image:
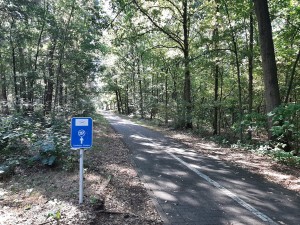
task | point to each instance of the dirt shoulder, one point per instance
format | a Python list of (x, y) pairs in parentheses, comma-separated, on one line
[(113, 192)]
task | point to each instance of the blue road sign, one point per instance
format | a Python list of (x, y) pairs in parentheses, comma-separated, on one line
[(81, 132)]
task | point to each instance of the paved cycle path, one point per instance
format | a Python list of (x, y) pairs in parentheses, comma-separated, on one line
[(191, 189)]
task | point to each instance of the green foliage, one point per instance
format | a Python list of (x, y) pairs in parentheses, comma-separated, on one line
[(286, 122), (254, 121), (45, 145), (56, 215), (287, 158)]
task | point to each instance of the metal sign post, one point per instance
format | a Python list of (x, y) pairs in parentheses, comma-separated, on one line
[(81, 177), (81, 138)]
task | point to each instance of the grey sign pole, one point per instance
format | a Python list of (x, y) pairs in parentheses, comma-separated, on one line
[(81, 176)]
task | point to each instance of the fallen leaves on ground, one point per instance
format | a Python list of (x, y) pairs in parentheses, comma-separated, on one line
[(113, 192)]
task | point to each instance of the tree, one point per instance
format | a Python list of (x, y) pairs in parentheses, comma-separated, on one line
[(272, 94)]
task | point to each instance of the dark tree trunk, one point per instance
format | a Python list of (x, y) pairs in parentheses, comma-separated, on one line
[(140, 89), (49, 81), (216, 75), (166, 100), (15, 80), (272, 94), (291, 82), (118, 97), (187, 76), (3, 94), (216, 108), (250, 68), (127, 100)]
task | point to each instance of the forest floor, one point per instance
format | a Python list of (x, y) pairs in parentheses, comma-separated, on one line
[(113, 191)]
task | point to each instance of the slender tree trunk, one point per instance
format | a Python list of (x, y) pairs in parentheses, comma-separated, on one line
[(272, 94), (3, 94), (23, 89), (140, 88), (250, 67), (49, 81), (238, 70), (187, 76), (216, 75), (291, 82), (127, 100), (14, 67), (152, 98), (117, 97), (216, 108), (58, 99), (166, 100)]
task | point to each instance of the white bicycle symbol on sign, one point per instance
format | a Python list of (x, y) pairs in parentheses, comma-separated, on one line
[(81, 134)]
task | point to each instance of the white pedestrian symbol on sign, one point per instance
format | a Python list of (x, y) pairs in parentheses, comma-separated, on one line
[(81, 134)]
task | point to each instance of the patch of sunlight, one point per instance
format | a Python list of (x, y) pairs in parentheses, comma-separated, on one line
[(181, 151), (277, 175), (153, 186), (175, 173), (190, 200), (141, 138), (150, 144), (195, 166), (141, 158), (2, 192), (164, 196), (207, 146), (122, 169), (180, 136), (168, 184)]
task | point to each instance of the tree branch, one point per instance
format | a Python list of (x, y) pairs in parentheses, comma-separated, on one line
[(171, 35)]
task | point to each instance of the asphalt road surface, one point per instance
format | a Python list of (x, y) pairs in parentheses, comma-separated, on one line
[(191, 189)]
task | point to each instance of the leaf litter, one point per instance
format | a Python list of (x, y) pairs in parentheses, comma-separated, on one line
[(113, 192)]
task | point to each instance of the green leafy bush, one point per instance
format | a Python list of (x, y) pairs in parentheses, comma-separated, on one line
[(286, 124), (287, 158)]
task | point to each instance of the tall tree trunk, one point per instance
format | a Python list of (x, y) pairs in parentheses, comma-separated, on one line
[(166, 100), (14, 67), (216, 108), (250, 60), (117, 97), (127, 100), (291, 82), (3, 94), (140, 88), (49, 80), (250, 67), (238, 70), (216, 74), (272, 94), (23, 90), (187, 76), (58, 98)]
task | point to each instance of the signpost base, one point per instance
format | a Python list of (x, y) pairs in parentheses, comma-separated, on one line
[(81, 177)]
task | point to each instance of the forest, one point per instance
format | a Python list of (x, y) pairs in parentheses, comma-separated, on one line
[(228, 70)]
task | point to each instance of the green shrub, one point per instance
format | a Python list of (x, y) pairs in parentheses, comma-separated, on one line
[(286, 123)]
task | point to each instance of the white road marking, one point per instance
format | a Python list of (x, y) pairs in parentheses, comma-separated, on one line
[(230, 194)]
